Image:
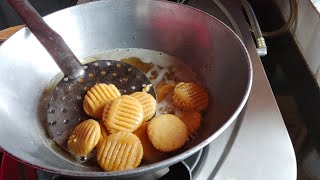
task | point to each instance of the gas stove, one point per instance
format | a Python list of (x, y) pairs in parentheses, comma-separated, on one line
[(258, 147)]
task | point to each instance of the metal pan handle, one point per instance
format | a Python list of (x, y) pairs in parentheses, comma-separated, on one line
[(51, 40)]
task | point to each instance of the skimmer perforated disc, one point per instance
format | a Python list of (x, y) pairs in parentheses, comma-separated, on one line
[(65, 106)]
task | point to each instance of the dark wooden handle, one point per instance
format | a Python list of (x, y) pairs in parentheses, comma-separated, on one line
[(52, 41)]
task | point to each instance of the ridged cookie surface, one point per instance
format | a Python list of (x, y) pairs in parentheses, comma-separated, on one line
[(123, 114), (97, 97), (149, 104), (84, 137), (120, 151), (190, 96), (104, 133)]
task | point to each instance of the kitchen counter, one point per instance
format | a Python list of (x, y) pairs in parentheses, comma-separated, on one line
[(261, 149)]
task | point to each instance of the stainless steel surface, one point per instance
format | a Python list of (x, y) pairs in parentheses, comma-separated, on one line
[(216, 152), (189, 165), (261, 149), (65, 105), (261, 44), (54, 44), (193, 160), (156, 25)]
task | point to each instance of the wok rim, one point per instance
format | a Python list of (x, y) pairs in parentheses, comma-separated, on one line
[(172, 160)]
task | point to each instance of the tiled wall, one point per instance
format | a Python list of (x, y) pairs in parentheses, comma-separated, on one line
[(306, 31)]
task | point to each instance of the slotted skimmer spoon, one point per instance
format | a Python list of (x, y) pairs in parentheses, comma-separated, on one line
[(65, 103)]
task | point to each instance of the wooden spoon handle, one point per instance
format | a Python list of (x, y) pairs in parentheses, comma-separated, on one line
[(6, 33)]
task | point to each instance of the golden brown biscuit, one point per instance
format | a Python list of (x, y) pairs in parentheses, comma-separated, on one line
[(190, 96), (149, 104), (163, 90), (84, 137), (104, 133), (150, 153), (120, 151), (167, 132), (123, 114), (192, 119), (97, 97)]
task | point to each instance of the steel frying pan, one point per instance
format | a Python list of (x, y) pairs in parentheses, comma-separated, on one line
[(202, 42)]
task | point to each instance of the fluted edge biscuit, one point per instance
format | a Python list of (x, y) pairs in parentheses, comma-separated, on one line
[(123, 114), (84, 138), (97, 97), (190, 96), (120, 151), (104, 133), (149, 104)]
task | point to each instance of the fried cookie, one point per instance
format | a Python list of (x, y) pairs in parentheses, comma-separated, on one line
[(190, 96), (167, 132), (150, 153), (104, 133), (97, 97), (123, 114), (192, 120), (120, 151), (84, 137), (149, 104)]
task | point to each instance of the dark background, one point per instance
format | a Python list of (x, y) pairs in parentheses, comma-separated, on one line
[(8, 17)]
